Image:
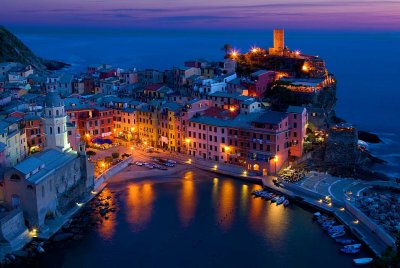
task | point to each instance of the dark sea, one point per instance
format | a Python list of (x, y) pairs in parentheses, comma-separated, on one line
[(366, 64), (198, 220)]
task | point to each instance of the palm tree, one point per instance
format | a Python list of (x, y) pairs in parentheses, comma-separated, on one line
[(227, 48)]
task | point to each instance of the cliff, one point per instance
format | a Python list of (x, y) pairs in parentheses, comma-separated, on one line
[(14, 50)]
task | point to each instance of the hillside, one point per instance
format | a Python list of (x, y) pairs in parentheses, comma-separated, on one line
[(14, 50)]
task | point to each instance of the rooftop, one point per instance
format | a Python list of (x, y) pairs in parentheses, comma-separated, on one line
[(50, 160)]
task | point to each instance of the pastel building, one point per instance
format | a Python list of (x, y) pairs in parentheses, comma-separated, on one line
[(48, 184), (298, 120)]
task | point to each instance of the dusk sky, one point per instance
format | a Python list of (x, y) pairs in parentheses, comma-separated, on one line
[(300, 14)]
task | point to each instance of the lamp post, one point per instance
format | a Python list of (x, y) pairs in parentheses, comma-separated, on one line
[(187, 142), (275, 160)]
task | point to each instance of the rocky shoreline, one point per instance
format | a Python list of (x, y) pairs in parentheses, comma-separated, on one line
[(91, 215)]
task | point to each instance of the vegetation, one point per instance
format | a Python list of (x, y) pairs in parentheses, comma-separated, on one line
[(390, 258), (115, 155), (14, 50)]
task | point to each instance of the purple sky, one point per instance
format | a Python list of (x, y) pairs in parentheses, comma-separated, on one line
[(300, 14)]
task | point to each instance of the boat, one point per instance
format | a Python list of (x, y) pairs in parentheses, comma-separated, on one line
[(355, 246), (350, 250), (280, 200), (345, 241), (362, 261), (275, 199), (338, 234), (286, 203)]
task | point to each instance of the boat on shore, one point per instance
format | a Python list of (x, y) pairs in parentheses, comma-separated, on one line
[(273, 200), (362, 261)]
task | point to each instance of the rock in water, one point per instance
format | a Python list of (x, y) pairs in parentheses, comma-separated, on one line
[(62, 237), (368, 137)]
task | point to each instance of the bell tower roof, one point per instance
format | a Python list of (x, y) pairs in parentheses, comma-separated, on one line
[(53, 99)]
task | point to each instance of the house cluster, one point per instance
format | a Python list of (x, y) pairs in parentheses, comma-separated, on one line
[(202, 109)]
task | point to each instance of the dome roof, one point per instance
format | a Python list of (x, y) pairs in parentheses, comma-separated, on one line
[(53, 99)]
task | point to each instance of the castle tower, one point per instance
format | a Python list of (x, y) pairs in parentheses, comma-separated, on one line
[(279, 39), (55, 122), (279, 42)]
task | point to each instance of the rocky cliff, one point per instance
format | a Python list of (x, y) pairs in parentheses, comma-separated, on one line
[(14, 50)]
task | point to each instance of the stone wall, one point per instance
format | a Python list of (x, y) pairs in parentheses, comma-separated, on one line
[(13, 232), (341, 147), (371, 225), (111, 172)]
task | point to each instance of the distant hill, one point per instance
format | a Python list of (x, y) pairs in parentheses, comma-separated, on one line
[(14, 50)]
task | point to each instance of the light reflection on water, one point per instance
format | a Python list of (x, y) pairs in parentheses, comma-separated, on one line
[(187, 201), (139, 205), (196, 220)]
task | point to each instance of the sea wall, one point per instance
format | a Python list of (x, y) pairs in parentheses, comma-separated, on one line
[(111, 172), (13, 231), (371, 225)]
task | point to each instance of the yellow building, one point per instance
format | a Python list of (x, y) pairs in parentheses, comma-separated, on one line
[(125, 123)]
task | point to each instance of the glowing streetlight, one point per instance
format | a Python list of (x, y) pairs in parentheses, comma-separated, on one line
[(187, 141), (227, 148), (276, 160), (254, 49), (304, 68), (232, 109), (234, 53), (297, 52)]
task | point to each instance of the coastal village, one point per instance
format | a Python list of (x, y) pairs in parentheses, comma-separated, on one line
[(266, 114)]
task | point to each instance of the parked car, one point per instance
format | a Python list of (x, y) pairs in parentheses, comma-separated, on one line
[(171, 161), (138, 163)]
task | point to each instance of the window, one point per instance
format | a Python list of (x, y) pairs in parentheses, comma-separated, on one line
[(294, 125), (51, 130), (58, 130), (295, 134), (223, 139), (57, 113)]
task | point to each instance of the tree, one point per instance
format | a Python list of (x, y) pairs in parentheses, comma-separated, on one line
[(115, 155), (227, 48)]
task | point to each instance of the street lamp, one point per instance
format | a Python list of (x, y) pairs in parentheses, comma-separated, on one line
[(275, 160)]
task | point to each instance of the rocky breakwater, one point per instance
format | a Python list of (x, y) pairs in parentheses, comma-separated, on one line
[(91, 216), (383, 208)]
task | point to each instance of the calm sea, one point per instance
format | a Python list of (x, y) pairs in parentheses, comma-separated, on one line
[(197, 220), (366, 64)]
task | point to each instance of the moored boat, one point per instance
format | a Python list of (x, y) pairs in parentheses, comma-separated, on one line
[(350, 250), (338, 234), (362, 261), (345, 241), (355, 246), (280, 200), (286, 203)]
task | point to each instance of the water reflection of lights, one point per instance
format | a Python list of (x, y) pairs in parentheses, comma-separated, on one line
[(244, 198), (188, 200), (225, 204), (139, 207), (107, 228)]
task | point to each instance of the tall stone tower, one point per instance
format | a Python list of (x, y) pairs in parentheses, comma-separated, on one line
[(55, 122), (279, 42), (279, 39)]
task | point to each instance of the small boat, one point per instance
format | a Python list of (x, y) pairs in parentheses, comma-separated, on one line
[(275, 199), (280, 200), (362, 261), (317, 214), (355, 246), (338, 234), (350, 250), (286, 203), (345, 241)]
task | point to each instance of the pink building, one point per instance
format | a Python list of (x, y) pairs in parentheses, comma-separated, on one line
[(260, 141), (259, 82), (207, 138), (298, 123)]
